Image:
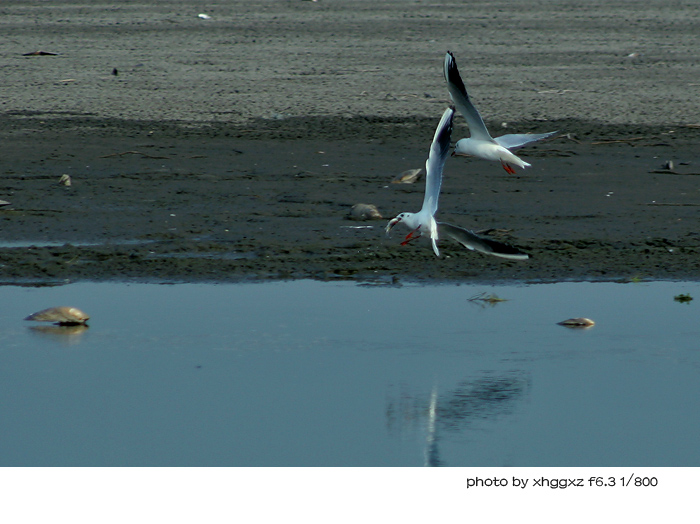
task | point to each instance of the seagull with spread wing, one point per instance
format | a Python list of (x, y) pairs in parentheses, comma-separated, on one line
[(480, 144), (423, 222)]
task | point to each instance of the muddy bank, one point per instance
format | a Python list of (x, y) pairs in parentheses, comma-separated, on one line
[(167, 202)]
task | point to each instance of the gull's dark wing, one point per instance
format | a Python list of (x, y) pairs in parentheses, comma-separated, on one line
[(439, 151), (481, 244), (459, 96)]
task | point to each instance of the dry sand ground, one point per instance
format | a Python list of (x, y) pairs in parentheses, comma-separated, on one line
[(233, 147)]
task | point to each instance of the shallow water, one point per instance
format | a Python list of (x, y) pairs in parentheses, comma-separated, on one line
[(327, 374)]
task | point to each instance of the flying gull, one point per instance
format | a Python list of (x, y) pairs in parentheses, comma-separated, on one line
[(480, 144)]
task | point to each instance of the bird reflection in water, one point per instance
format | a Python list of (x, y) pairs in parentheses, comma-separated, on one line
[(457, 410)]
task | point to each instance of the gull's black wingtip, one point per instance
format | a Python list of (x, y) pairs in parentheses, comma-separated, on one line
[(443, 133), (449, 62), (451, 72)]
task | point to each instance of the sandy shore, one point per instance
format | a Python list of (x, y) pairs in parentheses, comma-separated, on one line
[(233, 147)]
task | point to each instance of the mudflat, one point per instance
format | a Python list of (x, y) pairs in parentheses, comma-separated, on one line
[(232, 146)]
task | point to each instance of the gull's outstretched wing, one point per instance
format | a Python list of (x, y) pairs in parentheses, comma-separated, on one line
[(459, 96), (439, 151), (515, 141), (481, 244)]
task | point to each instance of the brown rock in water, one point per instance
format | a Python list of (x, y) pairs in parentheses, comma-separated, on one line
[(62, 315), (579, 322)]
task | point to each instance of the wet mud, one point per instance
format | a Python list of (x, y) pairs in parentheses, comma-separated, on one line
[(182, 205)]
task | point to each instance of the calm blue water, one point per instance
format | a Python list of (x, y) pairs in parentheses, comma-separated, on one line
[(337, 374)]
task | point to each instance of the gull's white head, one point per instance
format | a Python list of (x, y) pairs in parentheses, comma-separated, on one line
[(463, 148), (401, 217)]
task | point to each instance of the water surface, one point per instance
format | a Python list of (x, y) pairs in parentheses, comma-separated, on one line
[(338, 374)]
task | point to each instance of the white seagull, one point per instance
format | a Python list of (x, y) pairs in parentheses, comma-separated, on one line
[(424, 221), (480, 144)]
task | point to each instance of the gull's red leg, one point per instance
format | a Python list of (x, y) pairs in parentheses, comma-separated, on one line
[(508, 168), (411, 236)]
